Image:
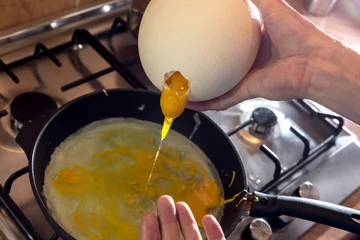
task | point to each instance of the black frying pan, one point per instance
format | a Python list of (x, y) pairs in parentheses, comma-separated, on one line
[(40, 137)]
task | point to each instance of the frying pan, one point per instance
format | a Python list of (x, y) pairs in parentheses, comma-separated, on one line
[(40, 137)]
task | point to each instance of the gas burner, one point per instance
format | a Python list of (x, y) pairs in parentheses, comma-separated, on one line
[(27, 106), (257, 128), (263, 121)]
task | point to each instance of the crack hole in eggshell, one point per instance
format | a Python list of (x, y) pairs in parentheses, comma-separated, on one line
[(167, 77)]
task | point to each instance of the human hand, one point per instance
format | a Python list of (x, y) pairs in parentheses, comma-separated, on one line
[(165, 226), (281, 71)]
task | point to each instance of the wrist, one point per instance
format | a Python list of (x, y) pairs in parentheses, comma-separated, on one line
[(335, 78), (323, 74)]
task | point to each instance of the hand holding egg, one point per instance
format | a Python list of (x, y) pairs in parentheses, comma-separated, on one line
[(213, 44)]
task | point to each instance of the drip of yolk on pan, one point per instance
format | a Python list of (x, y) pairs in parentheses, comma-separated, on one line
[(110, 189), (173, 99)]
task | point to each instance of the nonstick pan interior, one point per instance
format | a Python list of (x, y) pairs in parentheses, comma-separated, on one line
[(142, 105)]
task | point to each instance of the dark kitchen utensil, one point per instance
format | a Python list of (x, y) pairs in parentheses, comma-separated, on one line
[(40, 137)]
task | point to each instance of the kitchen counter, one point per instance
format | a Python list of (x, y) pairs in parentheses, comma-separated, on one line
[(19, 12), (322, 232), (343, 22)]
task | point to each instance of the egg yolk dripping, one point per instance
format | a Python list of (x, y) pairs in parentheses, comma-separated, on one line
[(172, 103), (173, 99), (110, 187)]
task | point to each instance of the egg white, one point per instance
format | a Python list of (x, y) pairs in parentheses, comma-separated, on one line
[(79, 149)]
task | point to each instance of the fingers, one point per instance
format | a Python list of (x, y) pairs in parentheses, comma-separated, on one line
[(187, 222), (149, 227), (167, 212), (167, 216), (284, 79), (277, 13), (236, 95), (212, 228)]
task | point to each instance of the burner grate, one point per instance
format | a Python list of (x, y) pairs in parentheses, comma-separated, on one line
[(7, 70), (80, 37), (13, 211), (86, 79), (83, 36), (3, 113), (40, 50), (308, 156), (274, 158), (303, 138)]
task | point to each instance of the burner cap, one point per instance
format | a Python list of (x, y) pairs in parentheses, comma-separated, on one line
[(264, 117), (28, 105)]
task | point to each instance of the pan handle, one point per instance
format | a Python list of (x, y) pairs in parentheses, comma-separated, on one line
[(28, 133), (313, 210)]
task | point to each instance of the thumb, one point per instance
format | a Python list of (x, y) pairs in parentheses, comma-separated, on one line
[(268, 7), (286, 28)]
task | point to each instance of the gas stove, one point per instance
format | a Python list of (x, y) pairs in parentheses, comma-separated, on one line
[(290, 148)]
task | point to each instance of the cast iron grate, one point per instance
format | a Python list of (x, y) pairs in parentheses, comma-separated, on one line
[(79, 36), (308, 155)]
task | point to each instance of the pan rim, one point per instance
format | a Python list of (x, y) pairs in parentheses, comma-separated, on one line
[(38, 192)]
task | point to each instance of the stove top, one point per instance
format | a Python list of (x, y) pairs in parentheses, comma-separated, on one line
[(291, 148)]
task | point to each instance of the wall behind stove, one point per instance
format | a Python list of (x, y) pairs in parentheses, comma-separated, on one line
[(17, 12)]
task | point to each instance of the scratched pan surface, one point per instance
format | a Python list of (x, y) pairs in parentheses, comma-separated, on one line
[(39, 139)]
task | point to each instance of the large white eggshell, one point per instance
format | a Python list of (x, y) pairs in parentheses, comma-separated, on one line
[(213, 43)]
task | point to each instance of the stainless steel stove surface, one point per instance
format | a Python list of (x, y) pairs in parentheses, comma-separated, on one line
[(296, 147)]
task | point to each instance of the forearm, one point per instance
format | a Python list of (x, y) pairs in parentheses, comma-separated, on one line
[(335, 80)]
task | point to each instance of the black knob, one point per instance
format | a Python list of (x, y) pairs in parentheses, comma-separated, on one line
[(263, 123)]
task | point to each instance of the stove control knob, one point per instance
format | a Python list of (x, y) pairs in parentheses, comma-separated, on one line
[(258, 229), (307, 190)]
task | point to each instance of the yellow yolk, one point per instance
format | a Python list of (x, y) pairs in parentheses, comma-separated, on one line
[(109, 185), (173, 99)]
